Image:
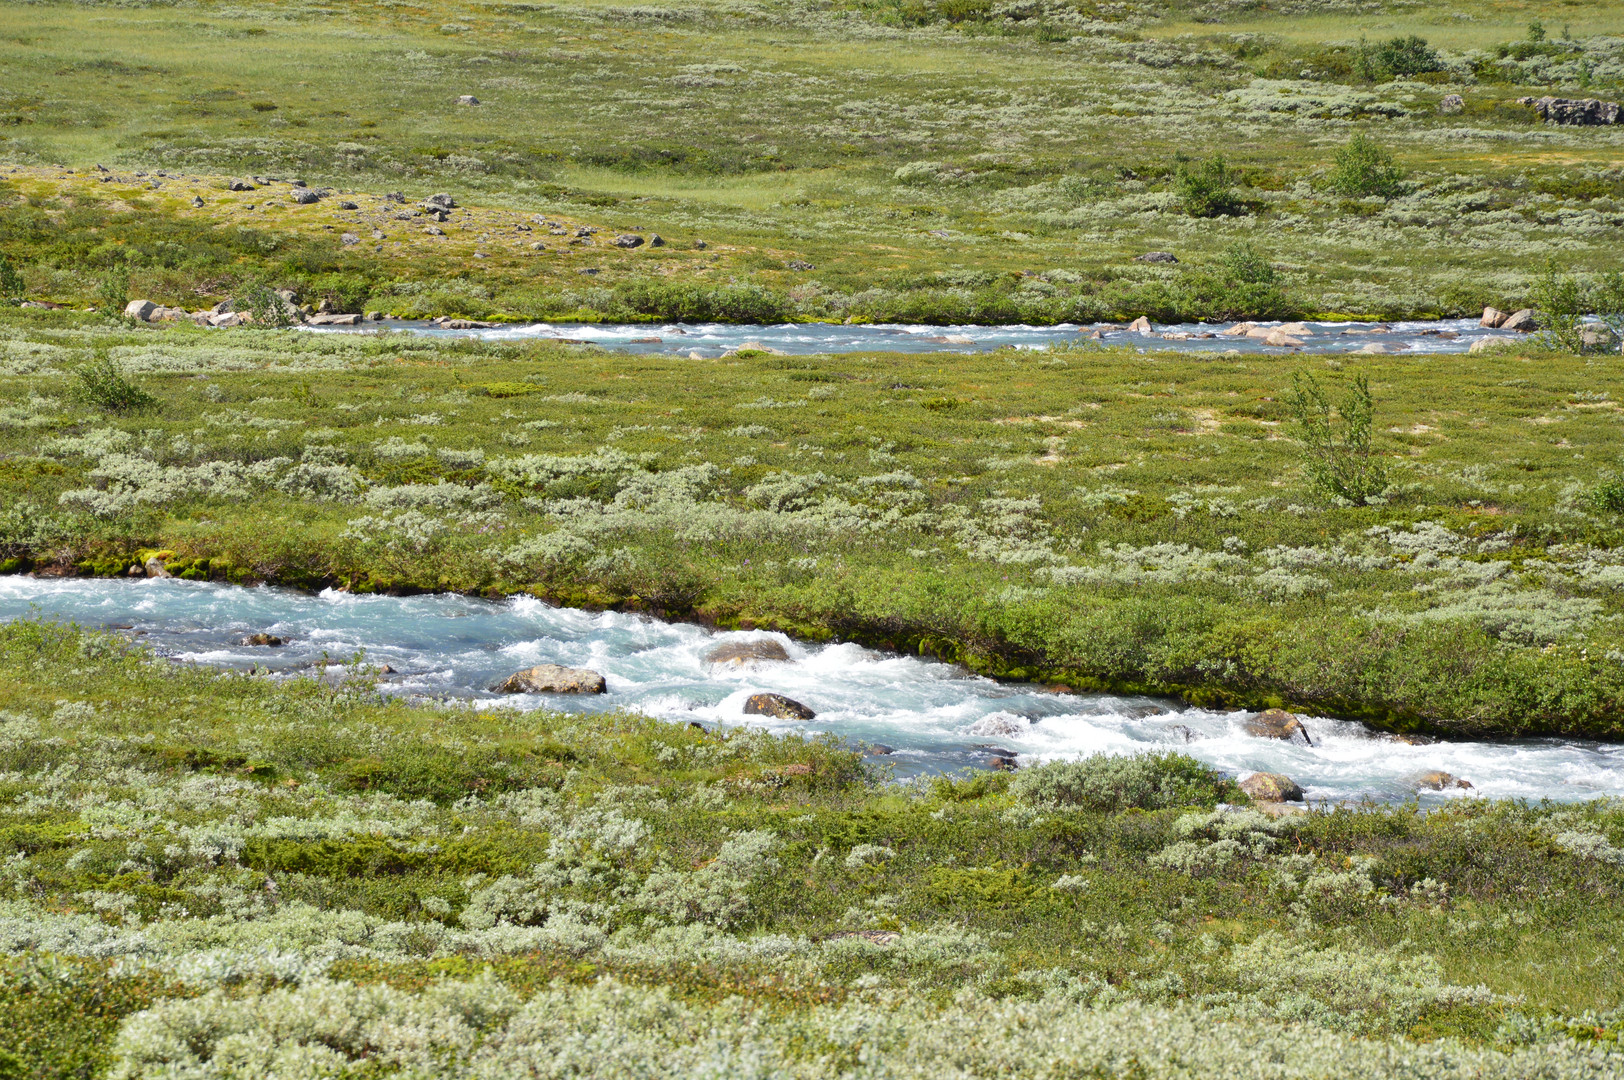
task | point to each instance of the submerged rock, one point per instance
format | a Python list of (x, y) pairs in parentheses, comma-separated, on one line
[(1272, 788), (552, 679), (268, 640), (778, 706), (1438, 780), (745, 652), (998, 724), (1278, 724)]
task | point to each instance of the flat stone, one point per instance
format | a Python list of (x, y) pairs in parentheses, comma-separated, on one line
[(1272, 788), (1278, 724), (552, 679), (777, 705), (746, 652)]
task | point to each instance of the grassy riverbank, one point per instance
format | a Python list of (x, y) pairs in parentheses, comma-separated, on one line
[(225, 875), (920, 162), (1102, 518)]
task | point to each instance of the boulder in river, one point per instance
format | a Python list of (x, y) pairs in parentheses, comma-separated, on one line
[(1271, 787), (268, 640), (154, 566), (552, 679), (1278, 724), (1493, 318), (777, 706), (1141, 325), (746, 652), (998, 724), (1522, 321), (1438, 780), (1279, 338)]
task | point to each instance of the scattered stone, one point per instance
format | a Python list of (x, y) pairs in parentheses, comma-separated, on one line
[(304, 196), (745, 652), (242, 185), (700, 245), (1487, 343), (140, 309), (1521, 321), (467, 99), (628, 240), (434, 230), (1156, 257), (1238, 330), (1278, 724), (347, 205), (1493, 318), (800, 264), (269, 640), (440, 199), (538, 246), (1376, 348), (155, 567), (1141, 325), (552, 679), (197, 202), (1272, 787), (1295, 329), (777, 705), (589, 270), (1437, 780), (1579, 112), (349, 238), (1451, 103), (1279, 338), (655, 240)]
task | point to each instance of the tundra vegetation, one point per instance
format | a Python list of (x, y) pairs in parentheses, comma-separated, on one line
[(208, 874)]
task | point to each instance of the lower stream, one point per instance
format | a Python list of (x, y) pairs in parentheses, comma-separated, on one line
[(936, 717)]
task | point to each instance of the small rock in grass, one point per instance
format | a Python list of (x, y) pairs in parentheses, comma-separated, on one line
[(349, 238), (745, 652), (656, 241), (800, 264), (467, 99), (347, 205), (1156, 257), (1272, 788), (197, 202), (1438, 780), (269, 640), (434, 230), (241, 185), (778, 706), (1278, 724), (552, 679), (1521, 321), (1451, 103), (304, 196), (1493, 318), (628, 240)]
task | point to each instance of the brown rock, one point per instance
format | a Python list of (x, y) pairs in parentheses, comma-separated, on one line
[(1278, 724), (552, 679), (745, 652), (270, 640), (1141, 325), (1272, 788), (1438, 780), (1493, 318), (1522, 321), (777, 705), (155, 567)]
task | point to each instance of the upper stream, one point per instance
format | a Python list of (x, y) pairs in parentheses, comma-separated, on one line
[(708, 340), (936, 717)]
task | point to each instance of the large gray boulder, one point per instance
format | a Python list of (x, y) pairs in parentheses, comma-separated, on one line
[(552, 679), (777, 705), (140, 309), (1583, 112), (1522, 321), (747, 652)]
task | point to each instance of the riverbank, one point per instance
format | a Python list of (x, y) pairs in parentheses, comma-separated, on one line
[(1105, 519)]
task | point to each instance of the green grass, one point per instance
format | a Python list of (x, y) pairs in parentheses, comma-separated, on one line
[(1103, 518), (911, 159)]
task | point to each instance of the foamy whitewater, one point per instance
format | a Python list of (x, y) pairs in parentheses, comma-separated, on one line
[(936, 717)]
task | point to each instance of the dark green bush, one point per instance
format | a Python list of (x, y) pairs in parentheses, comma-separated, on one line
[(1112, 783), (12, 286), (113, 292), (1207, 189), (101, 382), (1364, 167), (1395, 58), (1244, 285)]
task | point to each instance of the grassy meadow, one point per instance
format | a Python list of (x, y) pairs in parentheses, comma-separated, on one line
[(207, 874), (936, 162)]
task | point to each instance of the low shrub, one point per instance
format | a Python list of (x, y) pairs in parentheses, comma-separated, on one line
[(1207, 190), (101, 382), (1111, 783), (1339, 461), (1364, 167), (1394, 58)]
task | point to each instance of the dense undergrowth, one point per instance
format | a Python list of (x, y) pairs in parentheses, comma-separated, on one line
[(218, 874), (1103, 518)]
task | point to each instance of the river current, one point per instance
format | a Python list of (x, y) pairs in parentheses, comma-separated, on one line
[(935, 717)]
